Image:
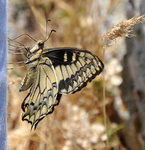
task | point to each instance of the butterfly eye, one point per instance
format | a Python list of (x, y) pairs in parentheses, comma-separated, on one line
[(40, 43)]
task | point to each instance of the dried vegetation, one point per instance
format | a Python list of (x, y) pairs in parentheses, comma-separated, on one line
[(78, 122)]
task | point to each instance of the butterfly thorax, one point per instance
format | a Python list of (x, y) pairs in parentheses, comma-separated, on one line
[(34, 58), (35, 54)]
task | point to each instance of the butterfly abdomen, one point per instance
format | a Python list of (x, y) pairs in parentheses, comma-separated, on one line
[(28, 80)]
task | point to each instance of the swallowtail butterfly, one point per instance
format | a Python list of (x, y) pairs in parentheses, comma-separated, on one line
[(53, 72)]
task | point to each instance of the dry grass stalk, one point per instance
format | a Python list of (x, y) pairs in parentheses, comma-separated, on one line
[(122, 29)]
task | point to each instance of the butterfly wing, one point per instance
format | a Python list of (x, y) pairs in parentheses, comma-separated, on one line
[(74, 67), (43, 94), (61, 71)]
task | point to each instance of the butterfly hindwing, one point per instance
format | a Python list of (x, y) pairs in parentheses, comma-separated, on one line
[(43, 93), (74, 67)]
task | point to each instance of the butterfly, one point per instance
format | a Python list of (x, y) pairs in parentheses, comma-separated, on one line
[(51, 73)]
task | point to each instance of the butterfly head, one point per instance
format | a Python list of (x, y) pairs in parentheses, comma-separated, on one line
[(40, 44), (38, 47)]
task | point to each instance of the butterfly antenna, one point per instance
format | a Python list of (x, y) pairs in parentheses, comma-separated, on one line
[(46, 27), (46, 31), (49, 35)]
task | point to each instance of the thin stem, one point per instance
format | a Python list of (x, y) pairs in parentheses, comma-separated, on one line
[(104, 104)]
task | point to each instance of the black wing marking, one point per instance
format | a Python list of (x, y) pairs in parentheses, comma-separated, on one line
[(74, 67), (43, 95)]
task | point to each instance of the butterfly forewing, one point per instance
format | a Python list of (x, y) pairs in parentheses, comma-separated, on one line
[(74, 67)]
